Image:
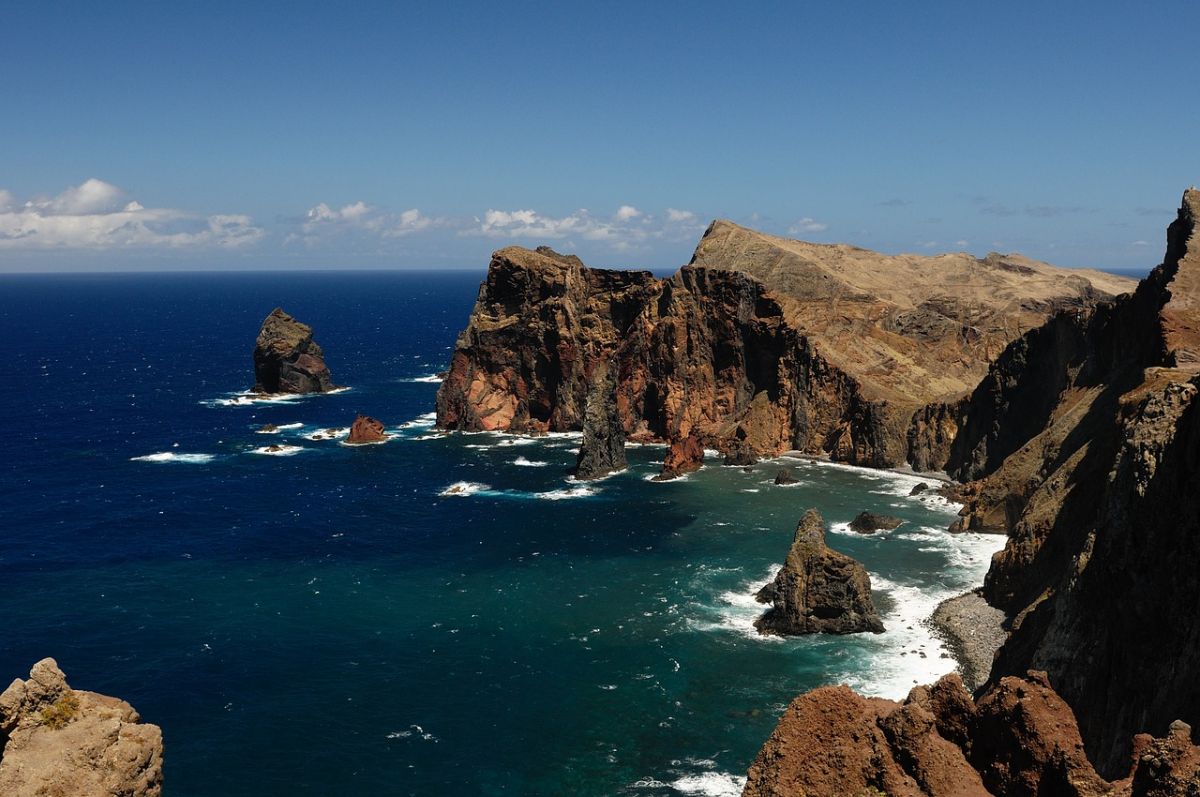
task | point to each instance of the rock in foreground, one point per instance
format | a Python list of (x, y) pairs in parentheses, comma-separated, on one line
[(602, 450), (1019, 740), (869, 523), (286, 359), (818, 590), (366, 429), (61, 741)]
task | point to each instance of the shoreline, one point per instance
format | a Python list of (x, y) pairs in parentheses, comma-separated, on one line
[(973, 631)]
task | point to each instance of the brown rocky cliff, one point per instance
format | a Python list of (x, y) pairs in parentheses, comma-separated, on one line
[(818, 590), (1019, 739), (55, 740), (287, 359), (751, 347)]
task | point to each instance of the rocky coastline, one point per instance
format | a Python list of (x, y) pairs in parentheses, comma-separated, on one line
[(973, 631)]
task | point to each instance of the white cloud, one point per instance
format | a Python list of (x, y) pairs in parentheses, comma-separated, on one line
[(677, 216), (322, 220), (1140, 243), (627, 213), (963, 243), (626, 229), (96, 215), (807, 224)]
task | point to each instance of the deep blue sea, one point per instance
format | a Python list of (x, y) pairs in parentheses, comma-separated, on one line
[(336, 621)]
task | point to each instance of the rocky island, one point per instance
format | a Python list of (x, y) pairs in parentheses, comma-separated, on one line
[(818, 590), (602, 450), (287, 359)]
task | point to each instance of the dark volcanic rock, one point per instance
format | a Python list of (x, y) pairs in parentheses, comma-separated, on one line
[(366, 429), (740, 453), (918, 489), (786, 476), (286, 359), (684, 456), (603, 448), (818, 590), (869, 523)]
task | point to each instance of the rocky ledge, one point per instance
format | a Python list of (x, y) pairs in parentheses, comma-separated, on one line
[(869, 523), (818, 590), (56, 740), (1019, 739), (287, 359)]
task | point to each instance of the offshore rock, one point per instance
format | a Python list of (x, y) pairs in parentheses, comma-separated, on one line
[(818, 590), (603, 448), (786, 476), (286, 359), (1019, 739), (365, 430), (869, 523), (760, 344), (55, 740), (683, 456)]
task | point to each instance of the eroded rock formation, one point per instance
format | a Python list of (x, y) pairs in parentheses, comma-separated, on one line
[(818, 590), (760, 345), (365, 430), (287, 359), (1019, 739), (869, 523), (683, 456), (602, 450), (55, 740), (1083, 441)]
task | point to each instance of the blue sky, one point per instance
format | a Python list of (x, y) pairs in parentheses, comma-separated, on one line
[(364, 135)]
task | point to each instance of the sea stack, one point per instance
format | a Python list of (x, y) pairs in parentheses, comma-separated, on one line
[(684, 456), (59, 740), (818, 590), (366, 429), (869, 523), (603, 448), (287, 359)]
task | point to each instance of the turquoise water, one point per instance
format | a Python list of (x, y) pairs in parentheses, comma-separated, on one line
[(441, 614)]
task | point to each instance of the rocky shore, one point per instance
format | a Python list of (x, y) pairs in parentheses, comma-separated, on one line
[(973, 631)]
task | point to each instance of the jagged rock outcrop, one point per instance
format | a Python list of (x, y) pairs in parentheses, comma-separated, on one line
[(55, 740), (818, 590), (760, 345), (287, 359), (602, 450), (869, 523), (683, 456), (786, 476), (1019, 739), (366, 430), (1084, 443)]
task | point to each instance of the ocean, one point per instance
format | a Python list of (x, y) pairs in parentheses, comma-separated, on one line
[(442, 614)]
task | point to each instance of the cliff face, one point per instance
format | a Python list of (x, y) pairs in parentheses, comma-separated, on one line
[(753, 347), (1084, 443), (287, 359), (58, 740)]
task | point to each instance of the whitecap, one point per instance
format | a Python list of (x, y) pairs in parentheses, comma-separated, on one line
[(277, 451), (276, 429), (465, 489), (570, 492), (710, 784), (431, 378), (173, 456), (332, 433), (529, 463)]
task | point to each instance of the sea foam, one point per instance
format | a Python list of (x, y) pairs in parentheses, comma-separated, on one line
[(163, 457)]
